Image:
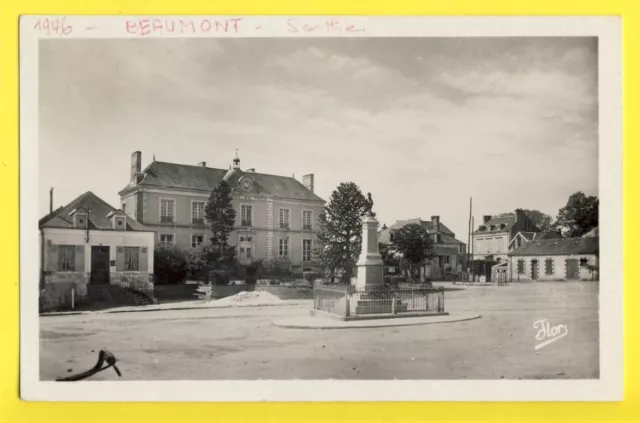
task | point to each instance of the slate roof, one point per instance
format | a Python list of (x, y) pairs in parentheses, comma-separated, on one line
[(98, 219), (547, 235), (200, 178), (549, 247), (508, 219)]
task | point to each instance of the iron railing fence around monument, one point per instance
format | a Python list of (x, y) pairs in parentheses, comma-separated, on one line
[(346, 300)]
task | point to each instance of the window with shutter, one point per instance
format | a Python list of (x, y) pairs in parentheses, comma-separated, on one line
[(67, 258), (132, 258)]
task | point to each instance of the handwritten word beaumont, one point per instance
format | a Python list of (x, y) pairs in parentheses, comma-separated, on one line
[(334, 26), (548, 333), (181, 26)]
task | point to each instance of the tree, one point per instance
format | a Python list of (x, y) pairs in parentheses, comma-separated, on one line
[(170, 264), (541, 220), (579, 216), (388, 254), (340, 230), (414, 243), (220, 215)]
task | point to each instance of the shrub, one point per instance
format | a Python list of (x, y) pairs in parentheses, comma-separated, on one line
[(310, 277), (170, 264), (219, 277), (397, 280)]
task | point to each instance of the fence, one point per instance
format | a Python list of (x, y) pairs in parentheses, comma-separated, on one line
[(348, 301), (142, 282)]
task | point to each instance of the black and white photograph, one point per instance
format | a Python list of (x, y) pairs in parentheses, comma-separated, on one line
[(291, 208)]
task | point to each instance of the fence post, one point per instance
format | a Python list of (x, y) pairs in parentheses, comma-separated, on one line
[(73, 294), (347, 311), (393, 305)]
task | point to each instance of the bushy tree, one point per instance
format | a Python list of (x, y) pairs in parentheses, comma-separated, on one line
[(415, 245), (340, 230), (541, 220), (170, 264), (579, 216), (220, 216)]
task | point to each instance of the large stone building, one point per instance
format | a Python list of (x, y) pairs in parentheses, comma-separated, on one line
[(494, 235), (276, 216), (447, 248)]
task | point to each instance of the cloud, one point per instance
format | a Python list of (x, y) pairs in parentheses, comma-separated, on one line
[(422, 124)]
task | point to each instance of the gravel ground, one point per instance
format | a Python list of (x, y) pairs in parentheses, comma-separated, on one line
[(242, 343)]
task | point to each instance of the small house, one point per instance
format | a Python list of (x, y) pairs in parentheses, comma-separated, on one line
[(90, 243), (559, 259)]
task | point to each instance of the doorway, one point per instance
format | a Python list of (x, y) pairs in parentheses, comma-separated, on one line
[(534, 270), (573, 269), (99, 265)]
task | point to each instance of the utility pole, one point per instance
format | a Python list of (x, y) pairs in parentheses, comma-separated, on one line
[(469, 239)]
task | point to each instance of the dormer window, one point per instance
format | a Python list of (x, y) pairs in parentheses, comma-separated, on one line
[(80, 219), (482, 228), (118, 220), (492, 227), (502, 226)]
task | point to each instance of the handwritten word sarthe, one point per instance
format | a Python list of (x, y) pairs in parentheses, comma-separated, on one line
[(548, 333), (333, 26), (144, 27)]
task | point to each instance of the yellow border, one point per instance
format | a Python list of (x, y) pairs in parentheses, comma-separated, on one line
[(13, 409)]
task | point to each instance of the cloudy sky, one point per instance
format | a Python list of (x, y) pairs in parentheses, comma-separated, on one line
[(422, 124)]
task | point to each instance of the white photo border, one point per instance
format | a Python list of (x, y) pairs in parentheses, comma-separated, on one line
[(609, 387)]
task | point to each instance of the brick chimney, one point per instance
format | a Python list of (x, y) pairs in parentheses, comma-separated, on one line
[(520, 215), (136, 165), (435, 221), (202, 164), (486, 218), (307, 181)]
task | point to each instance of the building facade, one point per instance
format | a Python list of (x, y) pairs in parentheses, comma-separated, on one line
[(556, 260), (88, 242), (493, 237), (447, 248), (276, 216)]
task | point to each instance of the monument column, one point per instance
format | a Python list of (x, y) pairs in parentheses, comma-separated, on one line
[(370, 266)]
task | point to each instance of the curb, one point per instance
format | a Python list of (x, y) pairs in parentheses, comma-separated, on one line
[(404, 322), (72, 313)]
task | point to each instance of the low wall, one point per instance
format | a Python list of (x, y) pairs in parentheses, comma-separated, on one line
[(57, 296)]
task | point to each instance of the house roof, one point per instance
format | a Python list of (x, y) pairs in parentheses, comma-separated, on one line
[(549, 247), (507, 219), (200, 178), (99, 216), (547, 235), (446, 235)]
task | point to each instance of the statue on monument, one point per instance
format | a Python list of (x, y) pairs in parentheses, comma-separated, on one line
[(369, 206)]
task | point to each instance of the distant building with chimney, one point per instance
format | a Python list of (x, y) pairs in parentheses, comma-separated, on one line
[(276, 216), (447, 248), (492, 238)]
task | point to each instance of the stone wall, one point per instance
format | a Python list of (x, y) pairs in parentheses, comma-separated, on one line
[(56, 293)]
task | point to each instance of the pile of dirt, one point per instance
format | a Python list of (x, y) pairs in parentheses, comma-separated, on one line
[(247, 298)]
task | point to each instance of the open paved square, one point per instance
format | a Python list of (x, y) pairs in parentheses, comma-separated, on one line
[(242, 343)]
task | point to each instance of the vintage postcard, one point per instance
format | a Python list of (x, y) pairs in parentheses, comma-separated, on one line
[(290, 208)]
